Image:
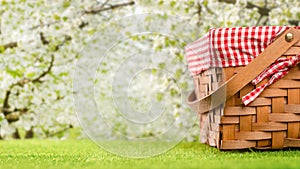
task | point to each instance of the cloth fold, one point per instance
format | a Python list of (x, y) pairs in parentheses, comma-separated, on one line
[(276, 71)]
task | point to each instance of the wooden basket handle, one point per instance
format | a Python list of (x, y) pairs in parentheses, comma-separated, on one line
[(245, 75)]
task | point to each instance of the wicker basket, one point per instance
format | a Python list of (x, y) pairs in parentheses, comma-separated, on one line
[(271, 121)]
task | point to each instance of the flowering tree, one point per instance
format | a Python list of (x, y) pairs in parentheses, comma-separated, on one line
[(41, 40)]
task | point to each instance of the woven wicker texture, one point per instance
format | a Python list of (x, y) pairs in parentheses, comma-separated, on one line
[(271, 121)]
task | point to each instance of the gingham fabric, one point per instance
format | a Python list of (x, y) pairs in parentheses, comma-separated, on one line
[(226, 47), (277, 70)]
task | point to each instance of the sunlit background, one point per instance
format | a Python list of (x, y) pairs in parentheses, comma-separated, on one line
[(42, 40)]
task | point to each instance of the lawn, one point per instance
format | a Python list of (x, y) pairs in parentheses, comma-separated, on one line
[(85, 154)]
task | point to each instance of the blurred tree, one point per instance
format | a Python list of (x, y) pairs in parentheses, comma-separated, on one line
[(35, 46)]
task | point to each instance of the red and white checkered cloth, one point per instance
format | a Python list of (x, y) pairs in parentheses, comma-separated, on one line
[(277, 70), (226, 47)]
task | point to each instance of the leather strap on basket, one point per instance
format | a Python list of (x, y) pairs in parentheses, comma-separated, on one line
[(245, 75)]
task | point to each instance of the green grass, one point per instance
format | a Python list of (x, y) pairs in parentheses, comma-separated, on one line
[(85, 154)]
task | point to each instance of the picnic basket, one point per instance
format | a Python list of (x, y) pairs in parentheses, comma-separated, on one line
[(247, 87)]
